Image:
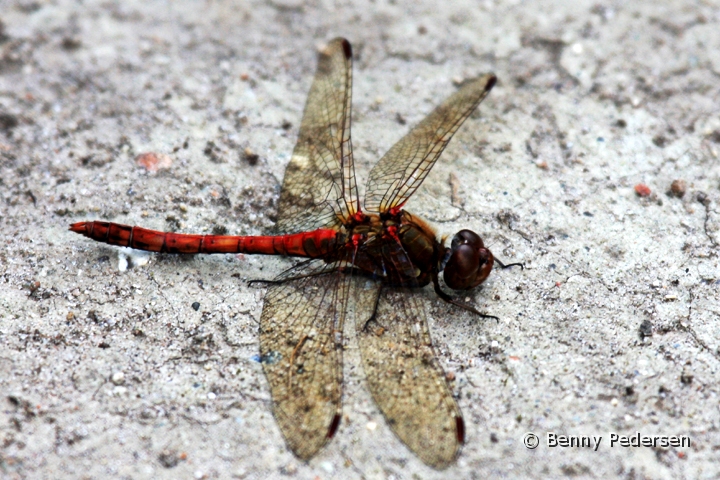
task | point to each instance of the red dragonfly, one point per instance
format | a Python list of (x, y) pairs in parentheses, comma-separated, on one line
[(368, 263)]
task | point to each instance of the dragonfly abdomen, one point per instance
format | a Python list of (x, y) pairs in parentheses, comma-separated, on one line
[(311, 244)]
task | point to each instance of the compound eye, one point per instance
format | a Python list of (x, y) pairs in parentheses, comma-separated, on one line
[(467, 237), (469, 263)]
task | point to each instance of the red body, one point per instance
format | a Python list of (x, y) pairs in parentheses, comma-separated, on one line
[(314, 244)]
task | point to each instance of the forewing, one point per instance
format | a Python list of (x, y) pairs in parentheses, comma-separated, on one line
[(301, 351), (403, 374), (404, 167), (319, 189)]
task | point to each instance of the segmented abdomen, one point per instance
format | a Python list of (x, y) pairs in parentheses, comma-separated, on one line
[(314, 244)]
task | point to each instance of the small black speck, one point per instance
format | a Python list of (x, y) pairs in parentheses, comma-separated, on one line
[(621, 123), (702, 197), (104, 345), (588, 214), (251, 157), (552, 266), (504, 193), (493, 437), (219, 230), (71, 43), (8, 121), (659, 141), (646, 328), (168, 459), (196, 306)]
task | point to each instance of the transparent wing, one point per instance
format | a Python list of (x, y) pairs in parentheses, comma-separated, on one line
[(301, 351), (404, 167), (403, 374), (319, 189)]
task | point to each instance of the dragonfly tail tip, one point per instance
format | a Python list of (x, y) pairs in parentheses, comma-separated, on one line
[(78, 227)]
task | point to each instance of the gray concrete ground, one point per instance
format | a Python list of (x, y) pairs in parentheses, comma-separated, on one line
[(107, 372)]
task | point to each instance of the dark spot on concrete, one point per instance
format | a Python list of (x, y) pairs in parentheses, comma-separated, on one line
[(646, 329), (8, 121), (659, 140)]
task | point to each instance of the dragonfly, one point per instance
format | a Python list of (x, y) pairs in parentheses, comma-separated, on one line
[(365, 262)]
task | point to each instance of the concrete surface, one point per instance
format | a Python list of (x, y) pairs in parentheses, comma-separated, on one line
[(108, 372)]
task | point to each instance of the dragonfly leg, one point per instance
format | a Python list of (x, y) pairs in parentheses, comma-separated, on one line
[(269, 282), (449, 299), (504, 266)]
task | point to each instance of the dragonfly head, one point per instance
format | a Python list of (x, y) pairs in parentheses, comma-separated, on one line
[(467, 263)]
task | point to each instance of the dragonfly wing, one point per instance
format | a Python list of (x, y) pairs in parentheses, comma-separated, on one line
[(301, 351), (406, 380), (319, 189), (402, 372), (404, 167)]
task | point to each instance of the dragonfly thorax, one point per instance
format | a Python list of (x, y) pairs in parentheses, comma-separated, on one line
[(400, 248)]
